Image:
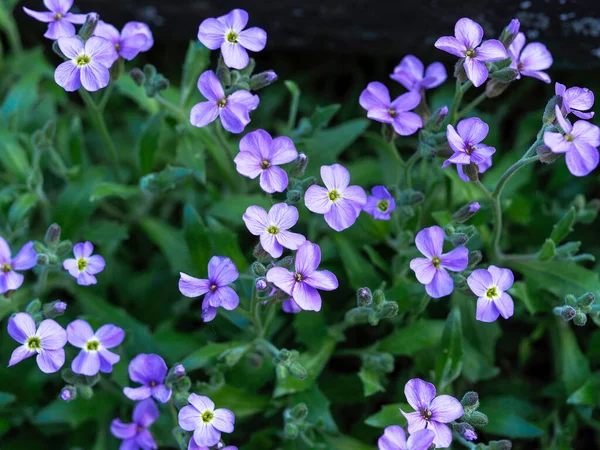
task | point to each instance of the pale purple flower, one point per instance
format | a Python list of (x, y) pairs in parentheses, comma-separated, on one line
[(411, 74), (47, 342), (394, 438), (513, 27), (490, 287), (482, 167), (234, 110), (470, 435), (381, 204), (221, 272), (431, 270), (273, 228), (303, 282), (474, 207), (432, 412), (207, 423), (575, 100), (260, 154), (466, 43), (530, 61), (85, 265), (135, 38), (150, 371), (94, 356), (376, 100), (60, 21), (341, 204), (227, 33), (465, 141), (290, 306), (25, 260), (136, 435), (88, 63), (579, 143)]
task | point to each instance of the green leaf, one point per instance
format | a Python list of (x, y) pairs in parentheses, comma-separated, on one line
[(233, 207), (73, 413), (107, 190), (389, 415), (6, 398), (197, 59), (196, 234), (572, 366), (358, 269), (21, 208), (241, 402), (165, 180), (450, 357), (13, 156), (207, 355), (533, 303), (548, 251), (148, 143), (322, 115), (341, 441), (192, 156), (372, 381), (413, 338), (391, 164), (292, 87), (170, 241), (563, 227), (226, 243), (588, 394), (318, 408), (508, 418)]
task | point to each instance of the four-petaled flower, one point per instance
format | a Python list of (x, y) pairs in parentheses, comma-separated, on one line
[(85, 265), (273, 227), (579, 143), (135, 38), (465, 141), (25, 260), (431, 270), (303, 282), (260, 154), (466, 44), (94, 356), (227, 33), (150, 371), (88, 63), (394, 438), (381, 204), (411, 74), (207, 423), (234, 110), (221, 272), (530, 61), (341, 204), (490, 287), (432, 412), (575, 100), (136, 435), (47, 341), (376, 100), (60, 20)]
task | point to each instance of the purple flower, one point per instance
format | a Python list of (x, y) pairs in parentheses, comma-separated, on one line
[(260, 154), (207, 423), (394, 438), (25, 260), (58, 17), (150, 371), (531, 60), (466, 44), (431, 270), (234, 110), (579, 143), (135, 38), (466, 143), (341, 204), (490, 287), (409, 73), (376, 100), (272, 228), (513, 27), (290, 306), (227, 33), (47, 341), (381, 204), (474, 207), (136, 435), (575, 100), (84, 266), (221, 272), (88, 65), (470, 435), (302, 284), (431, 412), (94, 356)]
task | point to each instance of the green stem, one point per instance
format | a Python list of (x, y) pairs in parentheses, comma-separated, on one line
[(458, 96), (173, 109), (98, 119), (270, 348), (407, 168), (12, 33), (173, 411), (221, 140), (293, 111), (511, 171), (480, 98), (106, 96)]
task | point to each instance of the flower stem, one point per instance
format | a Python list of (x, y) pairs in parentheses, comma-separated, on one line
[(98, 119), (480, 98), (458, 96), (174, 110), (407, 168)]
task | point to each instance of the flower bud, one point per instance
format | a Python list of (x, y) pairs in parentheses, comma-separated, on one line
[(500, 445), (180, 400), (546, 155), (86, 392), (42, 259), (466, 212), (388, 309), (54, 309), (150, 71), (505, 75), (34, 306), (39, 247), (176, 373), (68, 393), (88, 28), (586, 300), (460, 282), (281, 372), (290, 431), (297, 370), (223, 73), (183, 385), (261, 284), (459, 239), (475, 258), (262, 80), (580, 319), (373, 318), (287, 262), (357, 315), (459, 70), (299, 166), (437, 118), (427, 151), (495, 88), (53, 260), (465, 430), (64, 247), (259, 253), (470, 400), (138, 77), (284, 356), (510, 33), (258, 269), (410, 197), (293, 196), (549, 111), (477, 419), (52, 234), (566, 312), (570, 300), (378, 297), (299, 412), (364, 297)]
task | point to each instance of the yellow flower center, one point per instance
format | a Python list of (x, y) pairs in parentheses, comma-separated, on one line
[(265, 164), (207, 416), (58, 16), (470, 53), (298, 277), (470, 149), (569, 138), (436, 261), (82, 60), (492, 293), (213, 287), (5, 268), (334, 195), (392, 112), (273, 229), (383, 205), (231, 37), (426, 414), (221, 103), (34, 343), (81, 264), (92, 345)]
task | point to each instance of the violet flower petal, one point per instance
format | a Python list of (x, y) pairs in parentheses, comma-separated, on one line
[(441, 284), (419, 393)]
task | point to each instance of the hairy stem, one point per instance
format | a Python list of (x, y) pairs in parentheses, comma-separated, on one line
[(480, 98)]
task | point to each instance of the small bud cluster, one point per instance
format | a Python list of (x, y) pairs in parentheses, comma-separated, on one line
[(50, 252), (77, 385), (150, 79), (471, 419), (286, 362), (577, 309), (372, 307), (50, 310)]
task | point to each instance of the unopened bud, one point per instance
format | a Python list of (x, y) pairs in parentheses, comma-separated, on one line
[(388, 309), (475, 258), (287, 262), (570, 300), (477, 419), (223, 73), (258, 269), (470, 400), (261, 284), (427, 151), (510, 33), (54, 309), (308, 182), (378, 297), (42, 259), (299, 412), (33, 307), (176, 373), (437, 118), (471, 171), (262, 80), (294, 196), (580, 319), (297, 370), (291, 431), (150, 71), (259, 252), (39, 247), (68, 393), (180, 400), (64, 247), (410, 197), (505, 75), (53, 260), (299, 166), (566, 312), (546, 155), (52, 234), (465, 430), (138, 77), (184, 384), (466, 212), (86, 392), (358, 315), (281, 372), (549, 111), (364, 297), (460, 282), (586, 300), (88, 28), (459, 70), (495, 88), (459, 239)]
